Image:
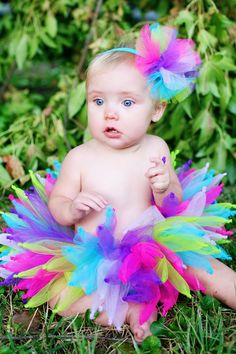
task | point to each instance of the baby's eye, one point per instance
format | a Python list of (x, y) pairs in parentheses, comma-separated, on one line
[(99, 101), (128, 103)]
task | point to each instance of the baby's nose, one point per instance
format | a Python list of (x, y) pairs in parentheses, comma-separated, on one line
[(111, 115)]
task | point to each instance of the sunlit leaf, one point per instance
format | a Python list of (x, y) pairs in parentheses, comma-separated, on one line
[(188, 19), (210, 73), (51, 24), (206, 40), (5, 178), (223, 62), (21, 51), (220, 156), (77, 98), (33, 46), (225, 94), (232, 104), (187, 106), (47, 40)]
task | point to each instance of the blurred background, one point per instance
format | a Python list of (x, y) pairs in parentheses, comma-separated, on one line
[(45, 47)]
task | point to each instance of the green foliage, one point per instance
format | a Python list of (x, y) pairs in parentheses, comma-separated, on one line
[(203, 126), (46, 47)]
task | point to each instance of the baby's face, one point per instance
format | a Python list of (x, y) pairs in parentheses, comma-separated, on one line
[(119, 106)]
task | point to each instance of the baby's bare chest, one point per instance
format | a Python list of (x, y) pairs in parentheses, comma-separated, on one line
[(117, 180)]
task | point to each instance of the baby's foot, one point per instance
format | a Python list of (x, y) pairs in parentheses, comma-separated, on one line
[(102, 319), (140, 332)]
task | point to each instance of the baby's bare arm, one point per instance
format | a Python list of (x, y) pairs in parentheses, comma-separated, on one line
[(162, 177), (66, 189), (67, 203)]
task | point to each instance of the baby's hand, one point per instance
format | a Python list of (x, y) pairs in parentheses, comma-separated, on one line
[(158, 175), (84, 203)]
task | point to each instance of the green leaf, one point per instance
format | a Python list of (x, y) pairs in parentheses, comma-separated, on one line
[(83, 116), (231, 169), (187, 106), (209, 75), (152, 343), (187, 18), (5, 178), (33, 46), (87, 135), (51, 25), (225, 94), (12, 46), (207, 128), (206, 40), (213, 87), (232, 105), (21, 51), (220, 156), (158, 327), (198, 120), (223, 62), (228, 141), (47, 40), (76, 100)]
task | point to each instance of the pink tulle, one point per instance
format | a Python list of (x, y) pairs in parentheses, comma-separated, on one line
[(149, 50), (213, 194), (143, 254), (26, 260), (35, 284), (49, 183)]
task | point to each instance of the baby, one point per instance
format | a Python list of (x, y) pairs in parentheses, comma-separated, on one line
[(123, 166)]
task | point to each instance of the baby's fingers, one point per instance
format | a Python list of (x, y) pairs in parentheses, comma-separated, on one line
[(159, 187), (157, 160), (155, 171), (86, 204), (95, 198)]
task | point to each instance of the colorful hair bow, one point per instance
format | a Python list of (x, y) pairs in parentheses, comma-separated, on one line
[(170, 64)]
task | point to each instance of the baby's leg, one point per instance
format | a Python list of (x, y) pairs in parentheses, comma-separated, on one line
[(78, 307), (84, 303), (221, 284), (140, 332)]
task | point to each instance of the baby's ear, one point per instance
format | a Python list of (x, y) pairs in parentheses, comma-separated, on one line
[(159, 110)]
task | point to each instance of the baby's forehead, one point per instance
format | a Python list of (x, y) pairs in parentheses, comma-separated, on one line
[(119, 76), (103, 69)]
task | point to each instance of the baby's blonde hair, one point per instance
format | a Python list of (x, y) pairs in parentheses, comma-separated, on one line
[(102, 60)]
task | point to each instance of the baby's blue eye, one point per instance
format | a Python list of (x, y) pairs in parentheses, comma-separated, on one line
[(99, 101), (128, 103)]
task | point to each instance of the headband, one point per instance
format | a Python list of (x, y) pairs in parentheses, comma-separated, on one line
[(170, 64)]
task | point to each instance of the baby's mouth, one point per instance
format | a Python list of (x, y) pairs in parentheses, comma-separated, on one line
[(112, 132)]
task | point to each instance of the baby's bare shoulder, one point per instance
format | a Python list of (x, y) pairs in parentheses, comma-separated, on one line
[(155, 142), (78, 154)]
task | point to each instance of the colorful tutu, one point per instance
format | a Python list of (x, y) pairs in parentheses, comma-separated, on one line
[(149, 266)]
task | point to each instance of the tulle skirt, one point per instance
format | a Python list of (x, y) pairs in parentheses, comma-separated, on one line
[(149, 266)]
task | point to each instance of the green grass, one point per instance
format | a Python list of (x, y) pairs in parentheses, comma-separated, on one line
[(200, 325)]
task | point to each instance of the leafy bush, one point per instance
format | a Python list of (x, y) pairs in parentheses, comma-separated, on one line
[(45, 48)]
